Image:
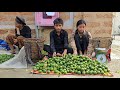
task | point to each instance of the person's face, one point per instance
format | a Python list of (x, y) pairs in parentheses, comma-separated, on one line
[(58, 27), (17, 25), (81, 28)]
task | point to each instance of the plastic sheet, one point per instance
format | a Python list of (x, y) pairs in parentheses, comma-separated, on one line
[(19, 61)]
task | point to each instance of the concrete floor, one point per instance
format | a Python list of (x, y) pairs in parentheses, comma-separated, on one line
[(114, 66)]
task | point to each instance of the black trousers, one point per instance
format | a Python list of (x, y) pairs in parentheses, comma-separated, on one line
[(50, 52)]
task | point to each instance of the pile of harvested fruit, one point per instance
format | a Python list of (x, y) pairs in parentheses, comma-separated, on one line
[(71, 64), (5, 57)]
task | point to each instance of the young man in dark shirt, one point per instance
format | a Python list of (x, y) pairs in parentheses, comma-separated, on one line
[(21, 31), (59, 39)]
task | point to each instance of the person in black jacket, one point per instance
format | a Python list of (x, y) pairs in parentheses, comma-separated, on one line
[(58, 40), (21, 31), (82, 37)]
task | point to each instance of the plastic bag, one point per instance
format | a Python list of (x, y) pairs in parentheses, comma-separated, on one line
[(19, 61), (4, 45)]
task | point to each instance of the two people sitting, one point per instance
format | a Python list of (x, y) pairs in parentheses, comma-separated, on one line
[(59, 45)]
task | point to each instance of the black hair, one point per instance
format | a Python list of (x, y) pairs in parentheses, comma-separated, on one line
[(58, 21), (80, 22)]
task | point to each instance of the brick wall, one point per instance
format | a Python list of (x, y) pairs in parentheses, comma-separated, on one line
[(7, 21), (98, 23)]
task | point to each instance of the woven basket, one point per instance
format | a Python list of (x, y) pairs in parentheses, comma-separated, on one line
[(99, 42), (33, 47), (105, 42)]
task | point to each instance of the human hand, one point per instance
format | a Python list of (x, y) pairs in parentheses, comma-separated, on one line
[(18, 31), (80, 52), (89, 56), (15, 41), (54, 54), (58, 54), (75, 52), (64, 53)]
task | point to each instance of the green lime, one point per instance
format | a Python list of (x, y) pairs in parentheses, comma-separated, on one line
[(87, 72), (83, 72), (105, 70), (44, 71), (56, 71), (100, 69), (48, 71), (75, 71), (65, 72), (70, 70), (98, 72), (51, 68), (102, 72), (90, 72), (40, 71), (94, 72), (108, 70), (79, 72)]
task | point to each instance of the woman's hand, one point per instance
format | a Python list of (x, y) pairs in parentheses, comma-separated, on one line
[(80, 52), (90, 56), (75, 52)]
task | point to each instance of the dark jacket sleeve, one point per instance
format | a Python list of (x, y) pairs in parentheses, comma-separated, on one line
[(77, 42), (66, 40), (52, 42), (28, 32)]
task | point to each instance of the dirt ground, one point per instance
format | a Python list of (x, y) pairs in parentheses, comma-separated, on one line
[(114, 66)]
